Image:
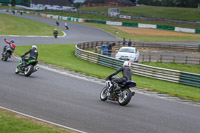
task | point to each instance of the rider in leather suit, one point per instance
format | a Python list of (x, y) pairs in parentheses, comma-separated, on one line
[(33, 55), (11, 45), (126, 71)]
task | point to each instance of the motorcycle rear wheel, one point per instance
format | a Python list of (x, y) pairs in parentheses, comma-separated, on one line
[(5, 57), (125, 97), (28, 70), (103, 95)]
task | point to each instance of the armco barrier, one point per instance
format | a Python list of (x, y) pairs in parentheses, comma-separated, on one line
[(139, 69), (199, 48), (130, 24), (146, 45), (197, 31), (165, 27), (151, 57), (190, 79)]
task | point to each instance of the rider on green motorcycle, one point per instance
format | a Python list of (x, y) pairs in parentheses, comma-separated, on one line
[(33, 55)]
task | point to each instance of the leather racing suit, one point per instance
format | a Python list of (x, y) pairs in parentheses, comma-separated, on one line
[(126, 71)]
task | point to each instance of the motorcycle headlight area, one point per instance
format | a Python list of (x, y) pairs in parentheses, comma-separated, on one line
[(108, 84)]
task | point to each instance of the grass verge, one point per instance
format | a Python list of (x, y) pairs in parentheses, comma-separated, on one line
[(187, 14), (12, 25), (63, 55), (176, 66), (14, 123)]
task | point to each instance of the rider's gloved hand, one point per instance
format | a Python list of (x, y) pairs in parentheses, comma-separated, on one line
[(4, 39), (107, 79)]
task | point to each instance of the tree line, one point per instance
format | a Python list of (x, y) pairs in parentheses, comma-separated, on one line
[(171, 3)]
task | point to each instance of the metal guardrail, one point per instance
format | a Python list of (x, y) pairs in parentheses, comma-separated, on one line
[(169, 59), (138, 69), (158, 45), (152, 57)]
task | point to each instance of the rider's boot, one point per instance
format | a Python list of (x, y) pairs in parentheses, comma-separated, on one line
[(23, 65)]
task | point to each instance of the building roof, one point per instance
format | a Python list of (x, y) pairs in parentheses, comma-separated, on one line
[(52, 2), (95, 1), (124, 2)]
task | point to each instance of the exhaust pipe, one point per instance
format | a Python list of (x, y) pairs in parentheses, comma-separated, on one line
[(133, 93), (36, 68)]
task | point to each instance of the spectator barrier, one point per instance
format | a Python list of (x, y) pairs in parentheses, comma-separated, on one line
[(184, 78)]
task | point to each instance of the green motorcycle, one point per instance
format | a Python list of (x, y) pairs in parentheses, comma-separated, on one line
[(28, 69)]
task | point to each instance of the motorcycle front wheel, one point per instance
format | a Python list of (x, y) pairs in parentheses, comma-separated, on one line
[(17, 70), (28, 70), (103, 95), (124, 97)]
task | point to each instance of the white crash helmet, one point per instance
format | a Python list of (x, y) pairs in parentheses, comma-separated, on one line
[(127, 64), (34, 46)]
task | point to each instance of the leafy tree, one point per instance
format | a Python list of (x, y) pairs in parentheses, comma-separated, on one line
[(133, 1), (77, 4), (168, 3), (171, 3), (25, 2), (13, 2), (157, 3), (71, 1)]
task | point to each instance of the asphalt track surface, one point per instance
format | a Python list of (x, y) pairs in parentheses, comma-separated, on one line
[(75, 103)]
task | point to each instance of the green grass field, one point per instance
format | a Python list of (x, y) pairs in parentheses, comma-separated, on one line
[(63, 55), (11, 25), (13, 123), (177, 13)]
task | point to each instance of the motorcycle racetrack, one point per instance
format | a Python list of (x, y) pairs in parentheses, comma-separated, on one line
[(74, 102)]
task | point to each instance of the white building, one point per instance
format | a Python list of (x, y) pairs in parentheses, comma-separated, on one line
[(50, 5)]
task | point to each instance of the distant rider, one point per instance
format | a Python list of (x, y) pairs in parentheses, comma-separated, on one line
[(66, 26), (11, 46), (33, 55), (55, 33), (57, 23), (126, 71)]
